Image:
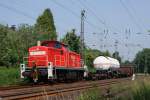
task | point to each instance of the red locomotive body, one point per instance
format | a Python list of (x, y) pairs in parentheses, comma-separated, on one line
[(55, 60), (55, 52)]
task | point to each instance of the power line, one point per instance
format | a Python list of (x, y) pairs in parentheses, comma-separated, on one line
[(16, 11), (76, 15), (73, 3), (130, 15), (134, 11), (101, 21), (64, 7), (97, 17)]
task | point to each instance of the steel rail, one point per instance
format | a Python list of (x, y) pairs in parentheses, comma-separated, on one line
[(56, 90)]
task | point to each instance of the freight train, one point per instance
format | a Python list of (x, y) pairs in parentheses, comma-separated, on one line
[(52, 60)]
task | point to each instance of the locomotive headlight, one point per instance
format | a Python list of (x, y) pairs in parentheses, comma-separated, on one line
[(32, 53)]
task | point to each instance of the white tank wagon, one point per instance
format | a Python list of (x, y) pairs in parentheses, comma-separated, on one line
[(114, 63), (101, 63), (106, 68), (105, 63)]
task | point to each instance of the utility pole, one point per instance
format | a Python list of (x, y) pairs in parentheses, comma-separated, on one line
[(127, 37), (82, 38), (116, 47), (145, 68)]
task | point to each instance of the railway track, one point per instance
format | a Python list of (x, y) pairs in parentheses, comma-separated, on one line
[(21, 86), (54, 90)]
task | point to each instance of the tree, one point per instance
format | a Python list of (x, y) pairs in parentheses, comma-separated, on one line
[(15, 43), (45, 25), (116, 56), (26, 38), (4, 49), (127, 62), (142, 60), (106, 53), (72, 40)]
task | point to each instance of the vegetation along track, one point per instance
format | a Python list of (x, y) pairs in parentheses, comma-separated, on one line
[(50, 90)]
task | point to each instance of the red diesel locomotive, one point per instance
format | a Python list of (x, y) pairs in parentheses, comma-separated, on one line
[(52, 60)]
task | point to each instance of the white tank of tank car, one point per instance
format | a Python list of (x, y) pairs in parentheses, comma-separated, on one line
[(102, 63), (105, 63), (114, 63)]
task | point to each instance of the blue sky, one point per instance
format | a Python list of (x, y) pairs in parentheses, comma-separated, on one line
[(118, 16)]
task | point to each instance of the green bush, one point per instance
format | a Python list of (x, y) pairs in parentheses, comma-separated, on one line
[(9, 76)]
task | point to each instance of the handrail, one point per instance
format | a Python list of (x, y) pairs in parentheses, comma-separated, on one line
[(58, 58), (27, 61)]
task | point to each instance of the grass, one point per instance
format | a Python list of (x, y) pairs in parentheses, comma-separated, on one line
[(134, 90), (9, 76), (91, 94), (141, 91)]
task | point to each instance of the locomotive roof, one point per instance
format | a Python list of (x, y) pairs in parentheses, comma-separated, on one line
[(52, 41)]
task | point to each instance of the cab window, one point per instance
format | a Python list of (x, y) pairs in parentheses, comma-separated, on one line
[(46, 44), (57, 45)]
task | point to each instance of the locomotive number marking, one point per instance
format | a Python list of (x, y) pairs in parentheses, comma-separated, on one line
[(37, 53)]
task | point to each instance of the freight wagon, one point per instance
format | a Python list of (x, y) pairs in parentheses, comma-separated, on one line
[(126, 70)]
